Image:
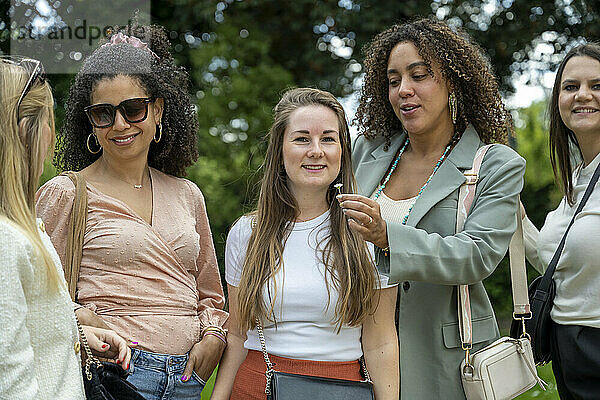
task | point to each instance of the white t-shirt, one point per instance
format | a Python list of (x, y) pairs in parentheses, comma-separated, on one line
[(577, 274), (305, 328)]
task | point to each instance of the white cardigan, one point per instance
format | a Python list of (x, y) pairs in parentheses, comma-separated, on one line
[(38, 332)]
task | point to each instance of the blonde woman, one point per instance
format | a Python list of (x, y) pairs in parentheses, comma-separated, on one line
[(323, 304), (39, 341)]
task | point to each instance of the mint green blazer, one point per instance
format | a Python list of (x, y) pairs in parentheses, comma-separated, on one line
[(429, 259)]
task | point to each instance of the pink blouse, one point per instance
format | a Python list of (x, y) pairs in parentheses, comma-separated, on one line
[(155, 284)]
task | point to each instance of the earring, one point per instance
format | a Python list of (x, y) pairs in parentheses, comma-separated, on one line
[(453, 104), (159, 129), (97, 144)]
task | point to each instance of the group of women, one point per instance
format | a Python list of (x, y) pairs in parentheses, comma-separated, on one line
[(351, 255)]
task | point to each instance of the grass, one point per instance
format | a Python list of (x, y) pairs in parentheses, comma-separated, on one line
[(546, 374), (207, 391)]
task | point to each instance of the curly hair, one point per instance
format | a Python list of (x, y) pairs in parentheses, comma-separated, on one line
[(462, 63), (158, 75)]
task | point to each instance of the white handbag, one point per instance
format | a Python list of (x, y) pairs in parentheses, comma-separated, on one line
[(505, 368)]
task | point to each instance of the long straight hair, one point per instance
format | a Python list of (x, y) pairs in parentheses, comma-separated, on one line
[(562, 138), (345, 255), (21, 156)]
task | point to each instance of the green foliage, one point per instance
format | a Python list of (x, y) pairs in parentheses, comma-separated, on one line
[(540, 194), (535, 393), (238, 85)]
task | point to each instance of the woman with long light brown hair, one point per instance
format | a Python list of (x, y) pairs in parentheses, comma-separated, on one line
[(321, 303)]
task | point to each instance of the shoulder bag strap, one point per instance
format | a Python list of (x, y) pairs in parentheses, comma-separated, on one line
[(263, 346), (518, 271), (466, 195), (516, 250), (76, 232), (544, 285)]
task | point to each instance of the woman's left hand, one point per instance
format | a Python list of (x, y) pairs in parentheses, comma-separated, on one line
[(204, 357), (106, 343), (364, 217)]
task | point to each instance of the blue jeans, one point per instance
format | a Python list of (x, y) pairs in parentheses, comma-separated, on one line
[(158, 376)]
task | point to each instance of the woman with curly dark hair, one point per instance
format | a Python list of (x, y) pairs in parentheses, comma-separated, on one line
[(429, 102), (148, 268)]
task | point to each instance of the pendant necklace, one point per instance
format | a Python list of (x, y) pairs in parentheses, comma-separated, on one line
[(135, 186), (395, 164)]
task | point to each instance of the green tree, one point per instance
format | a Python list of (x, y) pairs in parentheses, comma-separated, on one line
[(238, 85)]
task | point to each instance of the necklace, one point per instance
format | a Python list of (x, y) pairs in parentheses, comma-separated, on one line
[(135, 186), (395, 164)]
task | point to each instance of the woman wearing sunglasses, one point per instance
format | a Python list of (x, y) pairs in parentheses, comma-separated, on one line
[(39, 340), (148, 266)]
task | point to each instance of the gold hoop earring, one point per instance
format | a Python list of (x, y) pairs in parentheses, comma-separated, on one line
[(159, 133), (97, 144), (453, 104)]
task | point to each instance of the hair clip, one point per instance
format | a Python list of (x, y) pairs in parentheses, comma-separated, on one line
[(132, 40)]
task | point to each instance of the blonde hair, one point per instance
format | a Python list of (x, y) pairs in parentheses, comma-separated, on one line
[(345, 254), (21, 155)]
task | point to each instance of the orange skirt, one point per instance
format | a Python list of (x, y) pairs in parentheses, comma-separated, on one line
[(250, 380)]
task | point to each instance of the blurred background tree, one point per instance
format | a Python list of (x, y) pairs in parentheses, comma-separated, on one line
[(242, 54)]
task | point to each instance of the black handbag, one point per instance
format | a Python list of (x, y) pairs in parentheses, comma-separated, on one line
[(538, 324), (286, 386)]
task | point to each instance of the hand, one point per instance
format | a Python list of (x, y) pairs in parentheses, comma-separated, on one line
[(204, 357), (87, 317), (365, 218), (106, 343)]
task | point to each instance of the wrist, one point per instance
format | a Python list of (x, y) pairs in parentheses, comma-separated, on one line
[(215, 332)]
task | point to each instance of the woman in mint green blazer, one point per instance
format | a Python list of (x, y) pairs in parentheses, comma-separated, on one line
[(429, 101)]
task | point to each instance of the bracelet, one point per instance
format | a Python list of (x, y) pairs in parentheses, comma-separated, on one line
[(213, 328), (216, 334)]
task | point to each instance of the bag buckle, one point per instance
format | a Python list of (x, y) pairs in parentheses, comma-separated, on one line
[(522, 318), (471, 179), (467, 348)]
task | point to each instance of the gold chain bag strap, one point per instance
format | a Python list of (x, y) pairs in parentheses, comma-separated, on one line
[(505, 368), (102, 380), (287, 386)]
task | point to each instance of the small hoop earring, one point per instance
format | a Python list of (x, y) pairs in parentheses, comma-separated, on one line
[(159, 129), (97, 144), (453, 104)]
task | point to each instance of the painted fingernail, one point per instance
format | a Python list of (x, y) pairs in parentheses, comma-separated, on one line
[(127, 367), (118, 361), (104, 346), (184, 378), (134, 342)]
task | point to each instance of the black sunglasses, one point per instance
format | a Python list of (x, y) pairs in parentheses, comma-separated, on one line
[(132, 110), (33, 67)]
